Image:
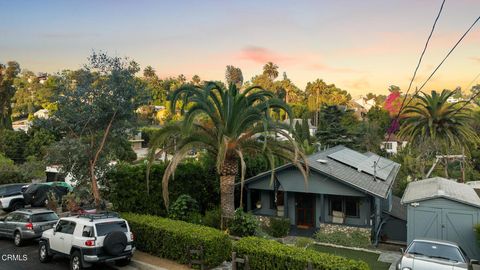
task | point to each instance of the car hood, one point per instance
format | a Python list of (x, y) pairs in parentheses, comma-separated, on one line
[(424, 263)]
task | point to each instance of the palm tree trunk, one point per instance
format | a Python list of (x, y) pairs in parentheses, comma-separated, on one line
[(228, 173)]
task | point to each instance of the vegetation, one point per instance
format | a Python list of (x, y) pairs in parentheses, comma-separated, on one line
[(243, 224), (370, 258), (354, 238), (184, 208), (268, 254), (172, 239), (227, 123), (278, 227)]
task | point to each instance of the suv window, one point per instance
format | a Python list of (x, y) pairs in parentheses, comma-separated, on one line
[(107, 227), (87, 231), (65, 226), (3, 190), (44, 217), (13, 190), (21, 217)]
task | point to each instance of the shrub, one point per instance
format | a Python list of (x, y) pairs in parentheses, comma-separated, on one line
[(172, 238), (183, 208), (212, 218), (278, 227), (353, 238), (268, 254), (303, 242), (9, 172), (243, 224)]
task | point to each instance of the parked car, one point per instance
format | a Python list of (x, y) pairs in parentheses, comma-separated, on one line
[(26, 224), (37, 194), (87, 239), (424, 254), (11, 197)]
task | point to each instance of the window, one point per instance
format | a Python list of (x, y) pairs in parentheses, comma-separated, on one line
[(350, 206), (3, 190), (272, 200), (44, 217), (255, 198), (65, 226), (436, 250), (107, 227), (70, 228), (388, 146), (87, 231)]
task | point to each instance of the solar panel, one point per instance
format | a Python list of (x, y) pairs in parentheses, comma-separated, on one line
[(364, 163)]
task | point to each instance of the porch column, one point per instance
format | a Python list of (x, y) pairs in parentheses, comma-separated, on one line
[(322, 209), (285, 204), (249, 200)]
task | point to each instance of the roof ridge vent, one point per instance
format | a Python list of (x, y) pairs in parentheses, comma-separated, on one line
[(323, 161)]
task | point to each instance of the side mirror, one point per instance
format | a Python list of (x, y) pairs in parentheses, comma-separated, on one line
[(472, 262), (402, 251)]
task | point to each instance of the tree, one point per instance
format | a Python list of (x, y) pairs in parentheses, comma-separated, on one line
[(333, 130), (149, 72), (7, 91), (271, 70), (234, 75), (319, 93), (96, 111), (228, 125), (196, 80)]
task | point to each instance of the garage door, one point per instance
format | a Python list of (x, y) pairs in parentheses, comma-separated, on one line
[(446, 224)]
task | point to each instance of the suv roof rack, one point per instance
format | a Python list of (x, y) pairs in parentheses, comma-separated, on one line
[(101, 215)]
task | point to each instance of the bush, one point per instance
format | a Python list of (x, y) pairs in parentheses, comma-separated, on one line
[(354, 238), (183, 208), (213, 218), (268, 254), (303, 242), (171, 239), (278, 227), (128, 187), (243, 224), (9, 172)]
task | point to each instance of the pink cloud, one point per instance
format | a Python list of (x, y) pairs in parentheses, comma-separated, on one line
[(476, 59), (327, 68), (262, 55)]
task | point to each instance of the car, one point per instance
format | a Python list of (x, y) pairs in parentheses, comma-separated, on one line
[(427, 254), (11, 197), (37, 194), (27, 224), (88, 239)]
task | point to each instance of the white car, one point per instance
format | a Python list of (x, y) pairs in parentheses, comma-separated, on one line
[(89, 239), (11, 197)]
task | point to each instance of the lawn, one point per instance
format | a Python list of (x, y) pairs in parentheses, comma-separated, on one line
[(368, 257)]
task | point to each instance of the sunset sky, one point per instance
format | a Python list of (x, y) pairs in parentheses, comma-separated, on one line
[(361, 46)]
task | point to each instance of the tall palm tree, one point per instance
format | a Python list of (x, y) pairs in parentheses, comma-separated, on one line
[(228, 125), (433, 120), (271, 70)]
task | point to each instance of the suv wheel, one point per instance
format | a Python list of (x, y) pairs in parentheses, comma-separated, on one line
[(17, 205), (17, 239), (76, 261), (43, 253)]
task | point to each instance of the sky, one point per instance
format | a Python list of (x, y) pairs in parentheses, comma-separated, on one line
[(361, 46)]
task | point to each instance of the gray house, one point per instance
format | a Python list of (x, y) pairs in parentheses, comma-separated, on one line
[(443, 209), (344, 187)]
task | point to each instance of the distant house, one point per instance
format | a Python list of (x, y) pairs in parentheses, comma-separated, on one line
[(311, 128), (439, 208), (345, 187), (367, 104), (392, 144), (42, 114)]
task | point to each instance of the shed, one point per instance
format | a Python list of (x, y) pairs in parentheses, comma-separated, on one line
[(439, 208)]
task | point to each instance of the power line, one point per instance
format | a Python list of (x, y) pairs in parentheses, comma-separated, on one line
[(471, 98)]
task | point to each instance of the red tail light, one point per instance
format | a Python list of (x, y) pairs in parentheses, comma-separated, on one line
[(90, 243), (29, 226), (132, 236)]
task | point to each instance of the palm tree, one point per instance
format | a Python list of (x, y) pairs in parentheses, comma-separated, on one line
[(433, 120), (271, 70), (228, 125)]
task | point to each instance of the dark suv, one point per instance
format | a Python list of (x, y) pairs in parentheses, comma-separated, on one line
[(27, 224)]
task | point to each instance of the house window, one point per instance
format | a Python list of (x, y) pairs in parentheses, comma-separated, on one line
[(255, 199), (350, 206), (388, 146)]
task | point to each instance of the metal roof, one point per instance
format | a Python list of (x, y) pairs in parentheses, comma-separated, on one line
[(438, 187), (346, 173)]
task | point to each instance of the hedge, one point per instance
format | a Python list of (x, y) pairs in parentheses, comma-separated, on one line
[(171, 239), (268, 254)]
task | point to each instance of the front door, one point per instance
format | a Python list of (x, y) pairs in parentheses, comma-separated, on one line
[(305, 210)]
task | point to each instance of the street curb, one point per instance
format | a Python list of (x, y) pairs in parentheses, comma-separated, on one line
[(145, 266)]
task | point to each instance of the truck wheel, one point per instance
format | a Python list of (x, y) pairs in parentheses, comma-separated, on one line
[(43, 253), (17, 239), (76, 261)]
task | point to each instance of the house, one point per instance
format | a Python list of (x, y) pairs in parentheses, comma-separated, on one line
[(392, 144), (439, 208), (344, 187), (367, 104), (42, 114)]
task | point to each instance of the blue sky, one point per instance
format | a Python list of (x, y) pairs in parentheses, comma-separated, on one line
[(361, 46)]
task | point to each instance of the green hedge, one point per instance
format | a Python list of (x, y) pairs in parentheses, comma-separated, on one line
[(268, 254), (171, 239)]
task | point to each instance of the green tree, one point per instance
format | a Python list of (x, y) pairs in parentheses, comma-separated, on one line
[(96, 111), (234, 75), (336, 127), (196, 80), (228, 125), (271, 70), (149, 72), (8, 74)]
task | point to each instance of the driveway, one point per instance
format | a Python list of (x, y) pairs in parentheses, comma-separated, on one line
[(26, 258)]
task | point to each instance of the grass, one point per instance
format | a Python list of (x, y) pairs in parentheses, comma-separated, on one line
[(370, 258)]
